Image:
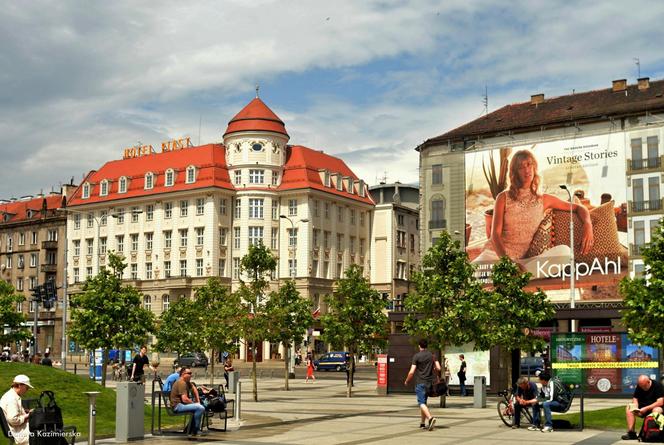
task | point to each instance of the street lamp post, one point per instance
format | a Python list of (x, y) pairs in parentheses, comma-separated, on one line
[(292, 248), (572, 290)]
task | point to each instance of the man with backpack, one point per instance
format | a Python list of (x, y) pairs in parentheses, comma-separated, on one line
[(648, 398), (422, 369), (556, 399)]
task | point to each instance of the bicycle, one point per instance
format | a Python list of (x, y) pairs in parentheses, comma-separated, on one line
[(506, 408)]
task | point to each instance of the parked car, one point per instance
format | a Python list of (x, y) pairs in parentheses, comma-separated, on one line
[(531, 364), (332, 361), (192, 359)]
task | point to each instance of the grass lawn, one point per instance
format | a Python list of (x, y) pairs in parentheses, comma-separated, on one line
[(68, 389), (602, 419)]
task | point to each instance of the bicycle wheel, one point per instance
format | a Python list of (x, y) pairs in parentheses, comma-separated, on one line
[(505, 413)]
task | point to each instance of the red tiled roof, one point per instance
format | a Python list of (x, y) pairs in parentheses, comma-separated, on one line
[(302, 171), (17, 211), (209, 160), (256, 116), (560, 111)]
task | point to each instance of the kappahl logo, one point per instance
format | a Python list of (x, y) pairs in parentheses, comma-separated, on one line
[(546, 269)]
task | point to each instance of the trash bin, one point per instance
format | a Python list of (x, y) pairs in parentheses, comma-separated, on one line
[(130, 403), (479, 392), (233, 379)]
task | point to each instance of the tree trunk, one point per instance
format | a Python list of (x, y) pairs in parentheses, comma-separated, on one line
[(212, 357), (253, 370), (104, 360), (443, 398), (349, 383), (506, 365), (286, 364)]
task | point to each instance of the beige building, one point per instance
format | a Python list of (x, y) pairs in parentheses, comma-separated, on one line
[(395, 240), (32, 252)]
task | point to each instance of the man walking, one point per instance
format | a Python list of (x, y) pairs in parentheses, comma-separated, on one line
[(422, 369)]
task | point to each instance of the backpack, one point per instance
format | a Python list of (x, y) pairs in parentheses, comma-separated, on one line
[(561, 392), (650, 431), (217, 404)]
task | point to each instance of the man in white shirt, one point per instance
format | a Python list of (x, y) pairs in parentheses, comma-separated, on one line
[(17, 417)]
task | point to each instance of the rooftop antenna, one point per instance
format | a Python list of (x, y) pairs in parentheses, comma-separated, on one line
[(485, 100), (638, 66), (258, 87)]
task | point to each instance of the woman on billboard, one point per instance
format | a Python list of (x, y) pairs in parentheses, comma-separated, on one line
[(517, 215)]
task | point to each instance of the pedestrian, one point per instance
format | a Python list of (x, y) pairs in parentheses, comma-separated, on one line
[(182, 401), (171, 379), (228, 367), (310, 370), (139, 362), (16, 416), (422, 368), (46, 361), (462, 376), (448, 374)]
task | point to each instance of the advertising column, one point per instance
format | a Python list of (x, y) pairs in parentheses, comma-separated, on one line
[(381, 370)]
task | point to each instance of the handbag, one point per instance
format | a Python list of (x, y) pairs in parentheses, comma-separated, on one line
[(437, 389), (47, 416)]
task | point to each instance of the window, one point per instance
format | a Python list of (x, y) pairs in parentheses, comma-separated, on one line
[(314, 268), (170, 178), (340, 270), (122, 185), (222, 267), (400, 220), (326, 239), (120, 215), (340, 183), (119, 242), (21, 239), (222, 206), (89, 244), (275, 209), (401, 239), (637, 191), (9, 261), (21, 262), (292, 268), (238, 177), (326, 269), (200, 206), (352, 216), (77, 221), (412, 242), (19, 283), (326, 179), (316, 236), (134, 271), (103, 188), (168, 210), (200, 236), (274, 239), (149, 212), (437, 214), (436, 174), (639, 233), (292, 207), (149, 181), (184, 208), (90, 220), (222, 236), (165, 303), (275, 177), (340, 214), (77, 276), (183, 268), (199, 267), (256, 176), (183, 237), (52, 235), (103, 217), (255, 208), (167, 269), (135, 211), (401, 270), (255, 235), (351, 244), (257, 146), (168, 238), (191, 174), (316, 208), (102, 245), (134, 242), (33, 260), (51, 257), (147, 302), (238, 208), (34, 238), (148, 271), (653, 151), (236, 237), (292, 237), (86, 191), (653, 193), (149, 237), (327, 210), (236, 268)]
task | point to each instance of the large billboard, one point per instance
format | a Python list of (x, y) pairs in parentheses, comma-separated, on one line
[(516, 207)]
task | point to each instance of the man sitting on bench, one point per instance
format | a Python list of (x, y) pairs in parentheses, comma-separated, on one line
[(648, 398), (553, 400), (184, 398)]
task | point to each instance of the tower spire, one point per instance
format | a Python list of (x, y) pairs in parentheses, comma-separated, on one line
[(257, 88)]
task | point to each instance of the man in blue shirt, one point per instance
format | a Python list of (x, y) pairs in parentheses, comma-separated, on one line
[(168, 384), (526, 397)]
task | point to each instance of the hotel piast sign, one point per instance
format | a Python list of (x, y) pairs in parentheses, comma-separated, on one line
[(144, 150)]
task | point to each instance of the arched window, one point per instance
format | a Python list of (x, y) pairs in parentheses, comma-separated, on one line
[(149, 180), (170, 178), (122, 185), (103, 188), (86, 190), (191, 174)]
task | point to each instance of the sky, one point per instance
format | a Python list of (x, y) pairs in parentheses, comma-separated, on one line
[(367, 81)]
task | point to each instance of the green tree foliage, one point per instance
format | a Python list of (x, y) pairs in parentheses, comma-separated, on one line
[(11, 321), (289, 316), (109, 315), (356, 317), (643, 315), (176, 331), (257, 265)]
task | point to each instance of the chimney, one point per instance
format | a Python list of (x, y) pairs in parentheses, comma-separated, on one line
[(644, 83), (619, 85), (537, 98)]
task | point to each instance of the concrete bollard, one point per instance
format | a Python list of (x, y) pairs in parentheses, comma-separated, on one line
[(238, 401), (479, 392)]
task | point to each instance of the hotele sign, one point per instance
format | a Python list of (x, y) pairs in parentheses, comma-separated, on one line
[(144, 150)]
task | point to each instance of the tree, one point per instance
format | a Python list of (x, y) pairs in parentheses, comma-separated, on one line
[(12, 322), (176, 331), (356, 317), (109, 315), (509, 313), (643, 315), (289, 316), (257, 264)]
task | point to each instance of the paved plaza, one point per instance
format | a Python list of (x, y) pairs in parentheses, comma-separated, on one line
[(320, 414)]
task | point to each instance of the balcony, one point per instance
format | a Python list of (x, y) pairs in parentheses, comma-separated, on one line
[(437, 224), (645, 207), (49, 268), (49, 245), (644, 165), (636, 250)]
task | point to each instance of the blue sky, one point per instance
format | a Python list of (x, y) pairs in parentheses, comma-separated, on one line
[(367, 81)]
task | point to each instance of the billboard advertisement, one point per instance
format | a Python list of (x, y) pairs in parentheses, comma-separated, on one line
[(516, 207)]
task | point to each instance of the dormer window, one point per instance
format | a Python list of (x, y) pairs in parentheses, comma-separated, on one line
[(103, 188), (122, 185), (340, 183), (170, 178), (191, 174), (349, 185), (86, 191), (360, 188), (327, 179), (149, 180), (30, 213), (257, 146)]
